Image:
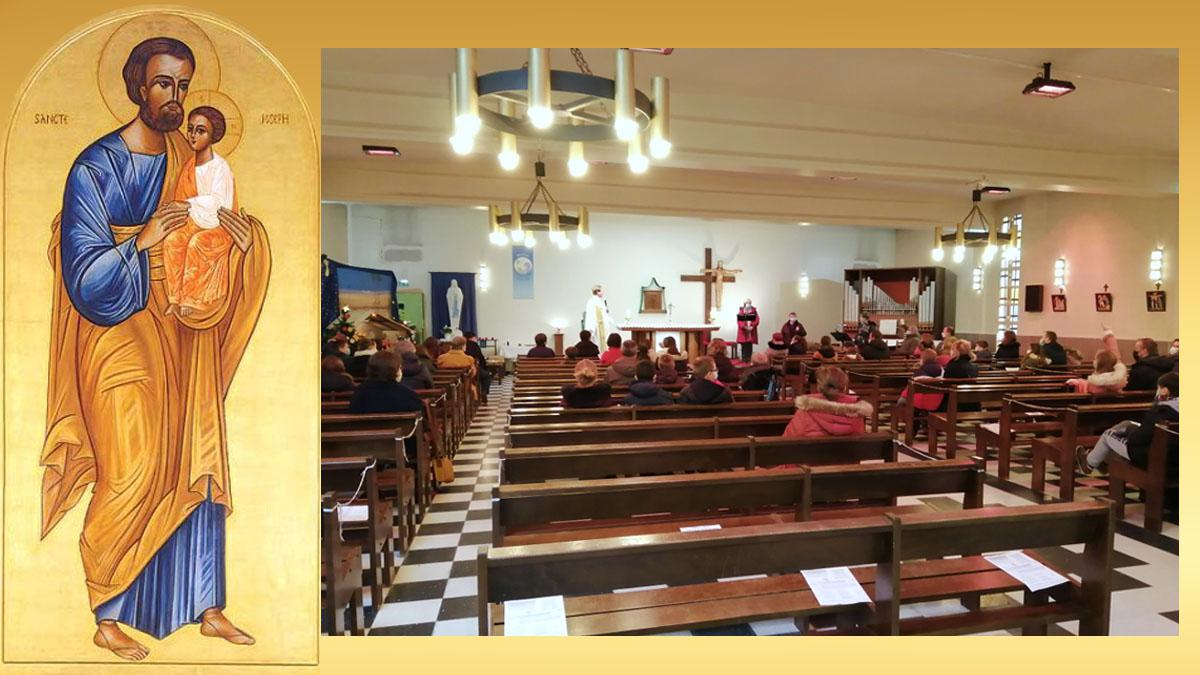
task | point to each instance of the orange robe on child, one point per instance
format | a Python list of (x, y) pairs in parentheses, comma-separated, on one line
[(196, 260)]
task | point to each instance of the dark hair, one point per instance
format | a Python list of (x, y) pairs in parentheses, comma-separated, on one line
[(332, 364), (614, 340), (643, 352), (431, 347), (670, 345), (1150, 345), (383, 366), (826, 341), (1170, 382), (540, 339), (585, 335), (214, 117), (1036, 349), (644, 370), (1052, 335), (571, 353), (468, 334), (134, 71), (982, 344), (629, 348), (1009, 337), (363, 343), (876, 335), (948, 328)]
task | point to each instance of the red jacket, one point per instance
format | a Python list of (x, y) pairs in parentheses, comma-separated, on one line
[(818, 416), (748, 330)]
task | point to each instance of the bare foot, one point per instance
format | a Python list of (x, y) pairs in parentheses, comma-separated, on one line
[(214, 624), (109, 636), (185, 310)]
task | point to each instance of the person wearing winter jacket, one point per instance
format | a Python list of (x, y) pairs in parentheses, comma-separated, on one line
[(588, 391), (1148, 366), (875, 349), (643, 391), (667, 372), (1009, 348), (705, 388), (621, 370), (758, 376), (831, 411), (1108, 376), (1131, 440), (1052, 350)]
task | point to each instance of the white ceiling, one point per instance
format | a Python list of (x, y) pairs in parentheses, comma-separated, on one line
[(1126, 99), (759, 132)]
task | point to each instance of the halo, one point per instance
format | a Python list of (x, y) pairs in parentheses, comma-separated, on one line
[(234, 124), (127, 36)]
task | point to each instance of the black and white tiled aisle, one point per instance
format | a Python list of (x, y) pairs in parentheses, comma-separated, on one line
[(435, 589)]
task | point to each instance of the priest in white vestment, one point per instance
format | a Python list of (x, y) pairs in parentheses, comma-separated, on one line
[(596, 317)]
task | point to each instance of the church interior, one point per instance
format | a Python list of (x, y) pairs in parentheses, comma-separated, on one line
[(653, 341)]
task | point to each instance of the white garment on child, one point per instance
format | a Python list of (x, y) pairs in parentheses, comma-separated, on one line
[(214, 190)]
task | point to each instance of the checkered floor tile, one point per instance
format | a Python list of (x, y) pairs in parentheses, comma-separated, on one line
[(435, 588)]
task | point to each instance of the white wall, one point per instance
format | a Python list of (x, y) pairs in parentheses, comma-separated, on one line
[(628, 251), (334, 217), (1105, 240)]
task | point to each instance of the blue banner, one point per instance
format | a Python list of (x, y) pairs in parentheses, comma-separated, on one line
[(522, 267)]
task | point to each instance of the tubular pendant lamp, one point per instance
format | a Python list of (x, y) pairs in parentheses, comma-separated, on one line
[(539, 111)]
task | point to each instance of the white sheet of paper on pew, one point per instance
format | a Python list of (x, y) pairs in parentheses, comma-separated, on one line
[(1018, 565), (994, 427), (835, 586), (535, 616), (699, 528), (352, 514)]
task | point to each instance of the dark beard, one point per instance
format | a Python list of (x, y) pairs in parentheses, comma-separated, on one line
[(168, 117)]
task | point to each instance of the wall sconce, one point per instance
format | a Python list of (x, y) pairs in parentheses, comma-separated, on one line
[(1156, 267), (977, 279), (802, 287), (485, 277), (1060, 273)]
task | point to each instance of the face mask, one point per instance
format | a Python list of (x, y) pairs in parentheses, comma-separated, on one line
[(791, 319), (1173, 351)]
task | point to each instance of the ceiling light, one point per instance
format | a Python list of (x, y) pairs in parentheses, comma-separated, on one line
[(522, 220), (530, 240), (1047, 87), (537, 103), (381, 150), (974, 230), (637, 161), (577, 166)]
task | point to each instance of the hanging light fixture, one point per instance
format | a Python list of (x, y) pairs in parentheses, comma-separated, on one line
[(1047, 87), (599, 109), (584, 235), (539, 113), (522, 221), (660, 125), (974, 231)]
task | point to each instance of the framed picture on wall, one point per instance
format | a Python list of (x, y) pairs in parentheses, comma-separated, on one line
[(1156, 301), (1104, 302), (1058, 302)]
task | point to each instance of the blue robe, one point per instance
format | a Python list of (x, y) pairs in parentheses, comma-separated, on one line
[(107, 283)]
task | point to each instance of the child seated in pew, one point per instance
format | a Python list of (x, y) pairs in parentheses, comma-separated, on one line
[(832, 411), (1033, 358), (1109, 375), (825, 352), (705, 388), (613, 352), (588, 391), (1131, 440), (667, 372), (382, 392), (643, 391)]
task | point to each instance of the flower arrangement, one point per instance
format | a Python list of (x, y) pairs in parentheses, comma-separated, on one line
[(341, 326)]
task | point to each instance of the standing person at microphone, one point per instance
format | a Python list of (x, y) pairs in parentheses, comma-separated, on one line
[(747, 335)]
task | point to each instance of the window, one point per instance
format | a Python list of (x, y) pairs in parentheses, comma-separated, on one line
[(1009, 307)]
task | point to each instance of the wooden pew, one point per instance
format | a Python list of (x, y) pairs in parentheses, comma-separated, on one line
[(902, 554), (649, 430), (341, 575), (1154, 480), (354, 480), (1080, 425), (591, 509), (554, 400), (386, 442), (528, 465), (995, 382), (518, 417), (948, 422), (1024, 415)]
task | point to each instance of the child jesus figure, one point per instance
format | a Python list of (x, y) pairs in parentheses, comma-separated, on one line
[(196, 256)]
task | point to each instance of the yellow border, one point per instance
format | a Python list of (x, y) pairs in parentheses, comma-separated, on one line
[(296, 31)]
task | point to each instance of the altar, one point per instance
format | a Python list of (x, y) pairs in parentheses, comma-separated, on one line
[(692, 338)]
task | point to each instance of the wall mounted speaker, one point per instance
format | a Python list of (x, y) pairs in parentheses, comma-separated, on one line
[(1033, 297)]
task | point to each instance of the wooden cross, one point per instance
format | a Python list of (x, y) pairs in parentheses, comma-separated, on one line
[(710, 277)]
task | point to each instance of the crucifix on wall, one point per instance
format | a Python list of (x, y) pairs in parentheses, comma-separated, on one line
[(714, 280)]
